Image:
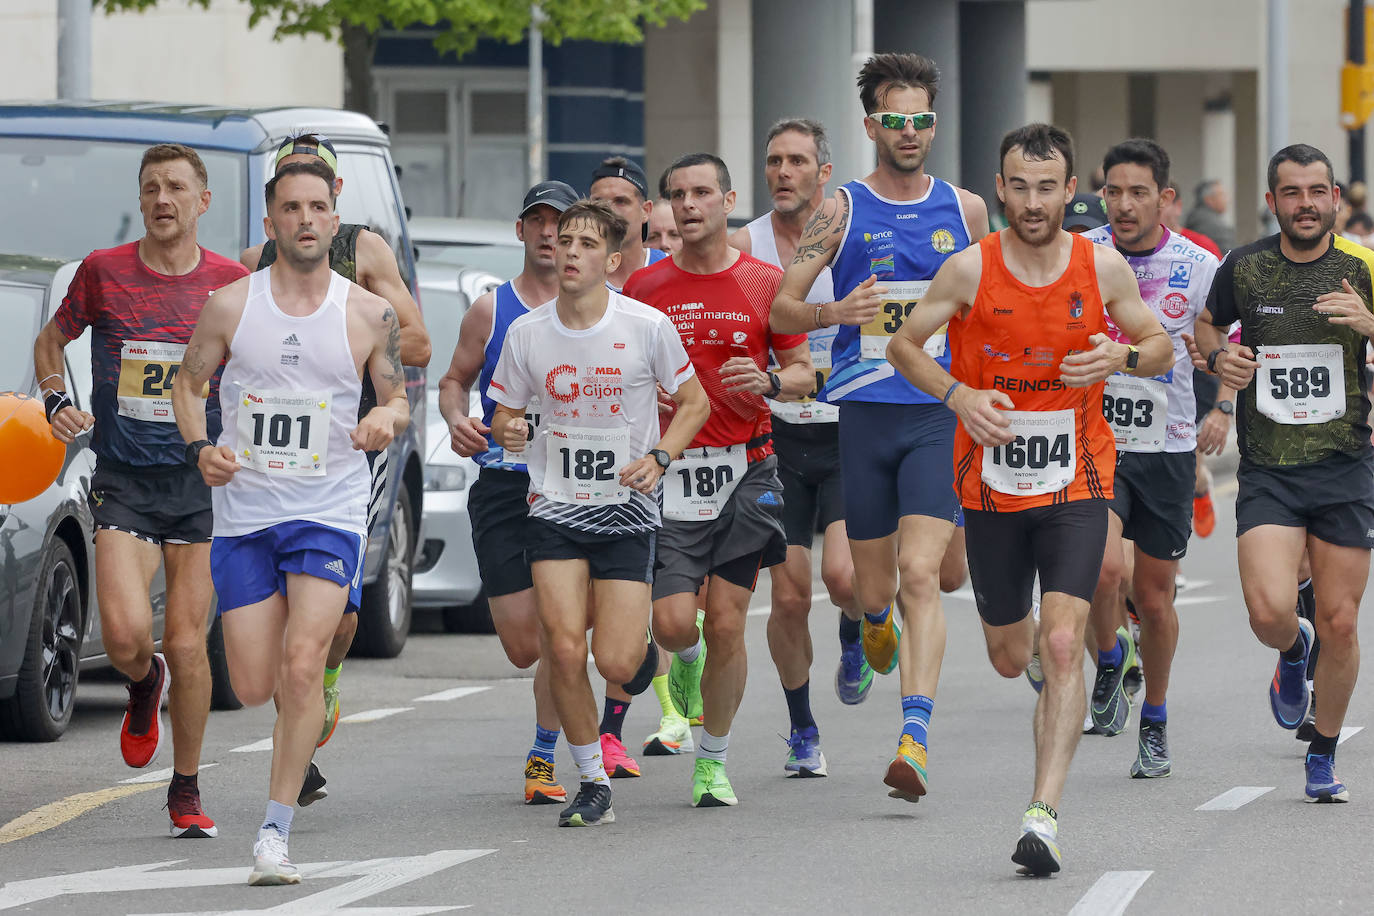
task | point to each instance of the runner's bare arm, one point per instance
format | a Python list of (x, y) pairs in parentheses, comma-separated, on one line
[(390, 417), (251, 256), (67, 422), (693, 409), (466, 434), (795, 371), (378, 273), (975, 214), (207, 348), (951, 292), (1120, 293), (740, 239), (510, 429), (791, 313)]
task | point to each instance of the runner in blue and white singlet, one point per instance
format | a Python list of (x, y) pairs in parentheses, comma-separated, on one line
[(884, 237)]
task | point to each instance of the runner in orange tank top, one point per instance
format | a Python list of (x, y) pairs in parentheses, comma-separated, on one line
[(1033, 455)]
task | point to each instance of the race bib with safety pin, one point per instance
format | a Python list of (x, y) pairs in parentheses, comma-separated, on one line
[(582, 465), (808, 409), (283, 432), (147, 369), (1137, 409), (1300, 383), (902, 296), (1041, 459), (697, 485)]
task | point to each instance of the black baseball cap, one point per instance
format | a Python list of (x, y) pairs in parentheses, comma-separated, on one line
[(557, 194), (627, 169), (1084, 213)]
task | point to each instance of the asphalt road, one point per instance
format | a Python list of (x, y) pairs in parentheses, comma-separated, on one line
[(424, 811)]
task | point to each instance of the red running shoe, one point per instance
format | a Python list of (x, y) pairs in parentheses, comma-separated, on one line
[(141, 734), (1204, 516), (188, 818)]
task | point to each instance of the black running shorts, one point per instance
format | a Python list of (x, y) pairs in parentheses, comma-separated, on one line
[(627, 556), (499, 509), (1063, 543), (1153, 497), (809, 470), (1333, 498), (162, 504)]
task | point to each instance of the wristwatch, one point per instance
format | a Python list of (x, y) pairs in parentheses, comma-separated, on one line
[(776, 384), (193, 451), (1226, 407), (662, 457), (1132, 357)]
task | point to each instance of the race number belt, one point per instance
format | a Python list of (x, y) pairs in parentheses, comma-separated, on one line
[(1041, 459), (808, 409), (902, 296), (697, 485), (283, 432), (1300, 383), (582, 465), (146, 371), (1137, 409)]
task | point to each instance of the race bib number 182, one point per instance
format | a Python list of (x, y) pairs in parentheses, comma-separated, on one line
[(582, 465)]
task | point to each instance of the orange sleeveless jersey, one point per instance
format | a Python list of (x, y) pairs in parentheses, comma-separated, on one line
[(1013, 340)]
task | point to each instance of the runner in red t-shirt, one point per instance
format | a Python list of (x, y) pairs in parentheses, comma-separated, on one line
[(141, 301), (722, 501)]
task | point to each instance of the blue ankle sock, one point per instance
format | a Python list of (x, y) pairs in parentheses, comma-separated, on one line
[(1113, 657), (916, 716), (849, 631), (799, 706), (1151, 713), (545, 742), (880, 618)]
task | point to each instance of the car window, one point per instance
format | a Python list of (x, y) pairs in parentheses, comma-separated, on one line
[(368, 198), (20, 308), (505, 261), (444, 311), (68, 198)]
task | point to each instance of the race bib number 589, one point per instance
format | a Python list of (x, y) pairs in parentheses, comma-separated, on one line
[(1300, 383)]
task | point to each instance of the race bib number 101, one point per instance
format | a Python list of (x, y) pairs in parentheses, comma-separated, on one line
[(1041, 459), (284, 432)]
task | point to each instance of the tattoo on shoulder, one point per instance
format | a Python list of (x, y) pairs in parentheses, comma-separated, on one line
[(825, 224)]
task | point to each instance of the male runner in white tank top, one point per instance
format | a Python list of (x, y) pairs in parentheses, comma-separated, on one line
[(806, 440), (290, 479)]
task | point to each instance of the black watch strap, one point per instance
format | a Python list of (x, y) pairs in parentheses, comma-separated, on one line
[(1226, 407), (193, 451), (663, 458), (776, 384)]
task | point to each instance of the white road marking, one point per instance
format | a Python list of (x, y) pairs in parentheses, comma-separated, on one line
[(371, 877), (1111, 894), (1349, 732), (264, 745), (158, 775), (372, 715), (454, 694), (1232, 799)]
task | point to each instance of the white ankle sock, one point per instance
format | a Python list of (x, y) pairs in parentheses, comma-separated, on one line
[(689, 655), (588, 760), (712, 748)]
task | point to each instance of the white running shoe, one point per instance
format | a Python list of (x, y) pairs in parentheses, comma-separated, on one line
[(270, 863), (674, 736)]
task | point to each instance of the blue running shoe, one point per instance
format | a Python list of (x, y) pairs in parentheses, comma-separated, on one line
[(1288, 692), (805, 758), (1035, 673), (1322, 784), (854, 677)]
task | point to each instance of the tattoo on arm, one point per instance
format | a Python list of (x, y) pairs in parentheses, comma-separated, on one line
[(826, 223), (396, 375), (192, 361)]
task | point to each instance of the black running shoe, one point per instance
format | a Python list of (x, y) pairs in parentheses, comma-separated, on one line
[(1110, 705), (312, 790), (591, 807), (1307, 731)]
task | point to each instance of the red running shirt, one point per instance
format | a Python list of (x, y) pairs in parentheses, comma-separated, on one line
[(720, 316)]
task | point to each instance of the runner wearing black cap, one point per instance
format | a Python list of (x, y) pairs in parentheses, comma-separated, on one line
[(620, 182)]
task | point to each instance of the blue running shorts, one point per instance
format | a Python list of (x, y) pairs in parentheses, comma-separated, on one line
[(252, 567)]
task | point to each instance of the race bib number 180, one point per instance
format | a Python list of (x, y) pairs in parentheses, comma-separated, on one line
[(284, 432), (1300, 383), (902, 296), (1041, 459), (697, 485)]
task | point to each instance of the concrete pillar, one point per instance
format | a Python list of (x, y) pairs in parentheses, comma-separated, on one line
[(934, 33), (1178, 123), (680, 90), (992, 54), (801, 69), (1250, 186), (734, 100)]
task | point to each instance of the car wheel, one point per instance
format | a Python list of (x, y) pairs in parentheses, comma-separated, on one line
[(469, 618), (222, 694), (46, 692), (384, 617)]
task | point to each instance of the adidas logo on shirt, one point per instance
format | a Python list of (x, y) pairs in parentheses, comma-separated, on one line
[(336, 566), (291, 341)]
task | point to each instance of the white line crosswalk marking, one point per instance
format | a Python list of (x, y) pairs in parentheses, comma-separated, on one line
[(1111, 894), (1232, 799)]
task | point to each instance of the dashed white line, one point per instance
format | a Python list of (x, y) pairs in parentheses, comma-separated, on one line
[(372, 715), (1111, 894), (453, 694), (158, 775), (1349, 732), (264, 745), (1232, 799)]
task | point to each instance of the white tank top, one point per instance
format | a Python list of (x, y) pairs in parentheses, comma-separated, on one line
[(290, 394), (807, 410)]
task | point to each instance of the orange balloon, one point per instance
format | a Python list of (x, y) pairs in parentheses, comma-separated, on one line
[(30, 458)]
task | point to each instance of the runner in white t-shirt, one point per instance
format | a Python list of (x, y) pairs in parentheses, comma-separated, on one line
[(595, 359)]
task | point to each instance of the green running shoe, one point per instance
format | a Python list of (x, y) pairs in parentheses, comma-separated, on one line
[(684, 681), (710, 788)]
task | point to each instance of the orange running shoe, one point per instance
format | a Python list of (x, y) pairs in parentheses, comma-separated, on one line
[(540, 786), (1204, 516)]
